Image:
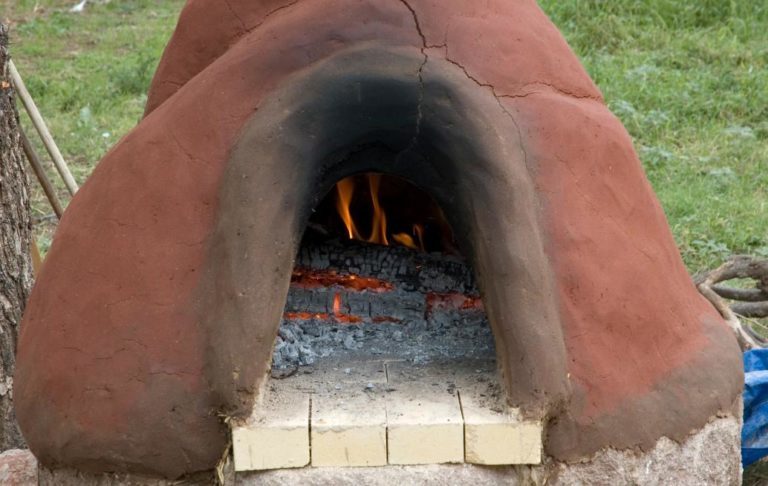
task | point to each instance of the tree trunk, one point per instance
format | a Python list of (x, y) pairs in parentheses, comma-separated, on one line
[(15, 237)]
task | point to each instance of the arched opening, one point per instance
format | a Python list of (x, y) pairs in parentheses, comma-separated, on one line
[(447, 138), (379, 276)]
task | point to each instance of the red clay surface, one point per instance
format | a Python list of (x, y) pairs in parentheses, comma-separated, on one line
[(111, 358)]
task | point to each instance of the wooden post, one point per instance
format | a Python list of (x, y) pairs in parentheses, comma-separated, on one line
[(42, 129), (34, 161)]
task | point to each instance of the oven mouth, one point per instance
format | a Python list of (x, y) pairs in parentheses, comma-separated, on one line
[(385, 119), (379, 276)]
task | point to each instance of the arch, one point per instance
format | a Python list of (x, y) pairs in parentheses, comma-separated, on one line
[(451, 138)]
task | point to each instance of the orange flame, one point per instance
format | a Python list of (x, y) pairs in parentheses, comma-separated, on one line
[(407, 240), (418, 231), (337, 304), (379, 226), (345, 189)]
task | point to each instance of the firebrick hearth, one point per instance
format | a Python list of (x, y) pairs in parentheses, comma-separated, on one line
[(403, 184)]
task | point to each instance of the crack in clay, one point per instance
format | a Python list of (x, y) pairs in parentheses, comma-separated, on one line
[(551, 86), (419, 113), (110, 357), (190, 156), (420, 76), (135, 341), (234, 14), (555, 89), (416, 21), (267, 16), (498, 100), (73, 348), (171, 373)]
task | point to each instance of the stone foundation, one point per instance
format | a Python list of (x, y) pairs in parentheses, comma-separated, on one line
[(710, 456), (18, 468)]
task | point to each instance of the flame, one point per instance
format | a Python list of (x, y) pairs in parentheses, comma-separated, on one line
[(345, 189), (379, 226), (407, 240), (418, 231), (337, 304)]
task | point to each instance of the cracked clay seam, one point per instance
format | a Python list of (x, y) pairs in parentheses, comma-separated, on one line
[(419, 114), (424, 47), (498, 100)]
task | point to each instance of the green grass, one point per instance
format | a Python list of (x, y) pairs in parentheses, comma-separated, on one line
[(690, 82), (688, 79), (88, 73)]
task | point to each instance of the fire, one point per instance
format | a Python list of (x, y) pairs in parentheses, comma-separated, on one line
[(345, 190), (337, 304), (309, 279), (407, 240), (454, 301), (379, 227)]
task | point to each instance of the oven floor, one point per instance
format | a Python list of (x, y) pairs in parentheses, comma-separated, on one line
[(379, 412)]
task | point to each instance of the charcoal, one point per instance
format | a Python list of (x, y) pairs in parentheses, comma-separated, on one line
[(396, 322)]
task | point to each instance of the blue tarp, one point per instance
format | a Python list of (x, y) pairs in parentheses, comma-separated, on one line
[(754, 435)]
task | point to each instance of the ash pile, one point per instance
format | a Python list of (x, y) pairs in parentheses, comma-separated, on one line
[(352, 301)]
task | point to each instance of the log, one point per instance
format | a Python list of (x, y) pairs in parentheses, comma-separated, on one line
[(410, 270)]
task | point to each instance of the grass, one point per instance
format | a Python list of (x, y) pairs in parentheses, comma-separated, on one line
[(690, 82), (688, 79), (88, 72)]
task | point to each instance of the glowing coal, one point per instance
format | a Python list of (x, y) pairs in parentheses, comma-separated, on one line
[(388, 302)]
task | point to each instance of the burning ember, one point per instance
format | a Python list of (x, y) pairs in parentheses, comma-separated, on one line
[(309, 278), (351, 300), (345, 286)]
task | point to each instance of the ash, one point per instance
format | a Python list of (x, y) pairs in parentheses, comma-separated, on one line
[(400, 324), (420, 342)]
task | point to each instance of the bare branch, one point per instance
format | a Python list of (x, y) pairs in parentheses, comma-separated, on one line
[(751, 309), (755, 305), (746, 295)]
